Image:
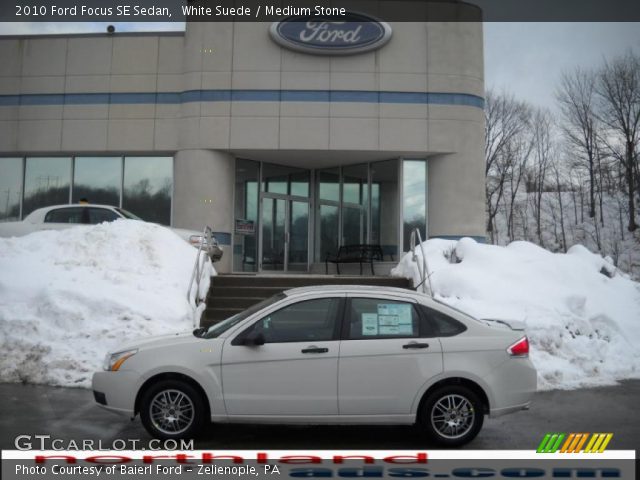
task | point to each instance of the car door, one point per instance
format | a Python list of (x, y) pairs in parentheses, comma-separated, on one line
[(294, 373), (387, 354)]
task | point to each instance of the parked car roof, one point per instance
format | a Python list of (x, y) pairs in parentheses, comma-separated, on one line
[(352, 289)]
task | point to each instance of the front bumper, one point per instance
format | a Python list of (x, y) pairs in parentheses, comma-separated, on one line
[(116, 391)]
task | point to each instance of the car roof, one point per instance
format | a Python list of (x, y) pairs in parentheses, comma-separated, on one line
[(74, 205), (39, 213), (374, 289)]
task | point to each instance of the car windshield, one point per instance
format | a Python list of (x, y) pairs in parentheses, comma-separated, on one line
[(216, 330), (127, 214)]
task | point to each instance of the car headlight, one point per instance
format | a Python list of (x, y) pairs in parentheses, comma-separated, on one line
[(113, 361)]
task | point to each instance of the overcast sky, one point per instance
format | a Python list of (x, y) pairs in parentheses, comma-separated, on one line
[(526, 59)]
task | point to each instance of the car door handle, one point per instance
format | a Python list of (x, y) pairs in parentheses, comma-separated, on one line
[(415, 345), (314, 349)]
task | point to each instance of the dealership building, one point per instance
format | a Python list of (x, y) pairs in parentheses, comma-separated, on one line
[(289, 139)]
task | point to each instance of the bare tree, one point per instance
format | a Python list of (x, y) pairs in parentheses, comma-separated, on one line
[(619, 88), (505, 119), (542, 157), (559, 184), (577, 97)]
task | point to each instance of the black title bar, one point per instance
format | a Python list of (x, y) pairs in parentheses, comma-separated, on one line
[(268, 11)]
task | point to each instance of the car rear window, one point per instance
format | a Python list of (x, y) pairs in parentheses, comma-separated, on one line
[(443, 325)]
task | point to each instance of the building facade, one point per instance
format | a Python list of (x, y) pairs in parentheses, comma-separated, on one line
[(286, 154)]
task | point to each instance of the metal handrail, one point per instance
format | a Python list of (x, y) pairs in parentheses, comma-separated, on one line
[(196, 275), (423, 269)]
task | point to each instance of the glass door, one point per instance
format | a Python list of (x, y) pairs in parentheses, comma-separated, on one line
[(285, 234), (274, 234), (298, 251)]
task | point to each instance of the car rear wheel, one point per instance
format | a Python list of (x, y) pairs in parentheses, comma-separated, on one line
[(452, 415), (172, 409)]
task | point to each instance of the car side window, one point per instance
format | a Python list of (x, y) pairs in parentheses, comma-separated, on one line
[(374, 318), (307, 321), (444, 325), (99, 215), (66, 215)]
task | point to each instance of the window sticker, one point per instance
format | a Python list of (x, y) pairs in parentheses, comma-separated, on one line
[(394, 319), (369, 324)]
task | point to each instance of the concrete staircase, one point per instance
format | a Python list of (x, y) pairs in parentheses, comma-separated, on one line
[(230, 294)]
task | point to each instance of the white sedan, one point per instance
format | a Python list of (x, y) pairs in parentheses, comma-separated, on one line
[(59, 217), (321, 355)]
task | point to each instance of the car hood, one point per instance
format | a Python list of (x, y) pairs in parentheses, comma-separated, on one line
[(158, 341)]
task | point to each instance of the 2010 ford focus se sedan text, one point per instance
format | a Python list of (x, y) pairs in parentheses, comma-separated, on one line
[(334, 355)]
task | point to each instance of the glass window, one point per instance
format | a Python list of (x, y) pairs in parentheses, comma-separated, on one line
[(444, 325), (275, 178), (10, 189), (245, 245), (127, 214), (67, 215), (355, 204), (329, 184), (285, 180), (47, 182), (97, 179), (308, 321), (414, 184), (355, 184), (385, 207), (327, 243), (148, 183), (300, 183), (381, 318), (99, 215)]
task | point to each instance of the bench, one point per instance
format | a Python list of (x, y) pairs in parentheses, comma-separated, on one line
[(355, 254)]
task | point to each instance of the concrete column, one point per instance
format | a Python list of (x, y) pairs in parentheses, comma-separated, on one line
[(456, 195), (203, 195)]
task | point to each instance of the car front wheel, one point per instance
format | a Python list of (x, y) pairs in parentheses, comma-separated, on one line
[(172, 409), (452, 415)]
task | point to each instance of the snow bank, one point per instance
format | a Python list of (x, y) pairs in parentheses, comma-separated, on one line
[(584, 327), (67, 297)]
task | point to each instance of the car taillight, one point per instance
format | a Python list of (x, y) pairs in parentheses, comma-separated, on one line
[(520, 348)]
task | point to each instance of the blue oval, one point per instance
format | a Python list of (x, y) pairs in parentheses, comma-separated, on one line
[(348, 34)]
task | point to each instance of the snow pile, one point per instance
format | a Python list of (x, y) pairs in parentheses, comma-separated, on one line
[(582, 315), (67, 297)]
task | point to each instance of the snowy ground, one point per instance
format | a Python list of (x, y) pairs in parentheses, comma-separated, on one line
[(584, 327), (67, 297)]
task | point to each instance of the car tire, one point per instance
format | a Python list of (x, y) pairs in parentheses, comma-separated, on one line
[(452, 415), (172, 409)]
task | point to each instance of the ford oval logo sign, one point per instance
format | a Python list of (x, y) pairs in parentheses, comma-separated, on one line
[(353, 33)]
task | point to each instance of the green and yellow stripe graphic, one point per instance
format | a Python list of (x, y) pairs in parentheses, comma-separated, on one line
[(573, 443)]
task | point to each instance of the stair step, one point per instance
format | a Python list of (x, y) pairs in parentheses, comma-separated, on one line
[(216, 292), (242, 302), (292, 281)]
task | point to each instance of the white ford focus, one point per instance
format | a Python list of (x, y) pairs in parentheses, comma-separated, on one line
[(335, 355)]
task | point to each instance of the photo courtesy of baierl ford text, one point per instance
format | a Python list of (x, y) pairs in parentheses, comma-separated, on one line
[(325, 239)]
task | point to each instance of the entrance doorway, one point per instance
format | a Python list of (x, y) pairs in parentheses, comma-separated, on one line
[(284, 234)]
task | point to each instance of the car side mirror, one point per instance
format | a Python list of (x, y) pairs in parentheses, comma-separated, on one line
[(254, 339)]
